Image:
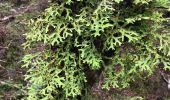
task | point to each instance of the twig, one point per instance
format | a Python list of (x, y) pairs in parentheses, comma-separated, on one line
[(13, 16), (162, 74), (22, 10), (2, 67), (4, 47), (7, 18), (2, 61)]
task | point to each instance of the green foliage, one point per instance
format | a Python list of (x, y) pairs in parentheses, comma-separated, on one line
[(121, 38)]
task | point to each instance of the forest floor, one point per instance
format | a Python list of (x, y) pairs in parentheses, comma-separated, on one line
[(13, 20)]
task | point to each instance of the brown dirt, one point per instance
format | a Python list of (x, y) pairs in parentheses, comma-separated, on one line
[(152, 88)]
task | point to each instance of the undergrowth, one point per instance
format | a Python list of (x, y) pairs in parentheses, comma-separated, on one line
[(122, 39)]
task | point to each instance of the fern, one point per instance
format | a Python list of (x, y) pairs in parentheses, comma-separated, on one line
[(120, 38)]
